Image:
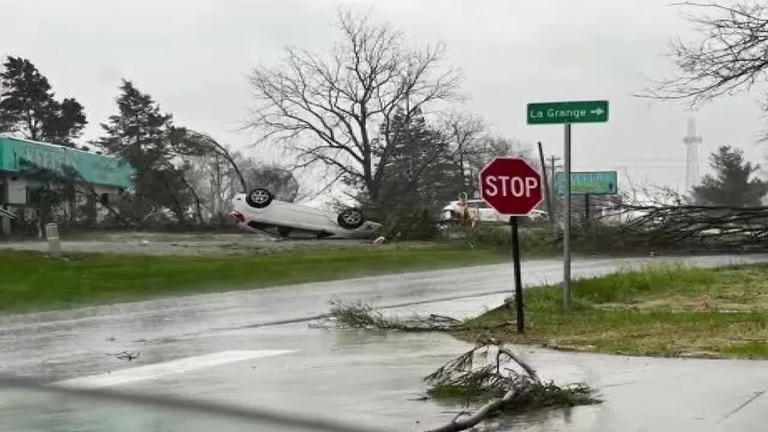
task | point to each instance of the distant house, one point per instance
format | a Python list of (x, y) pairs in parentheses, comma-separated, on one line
[(25, 165)]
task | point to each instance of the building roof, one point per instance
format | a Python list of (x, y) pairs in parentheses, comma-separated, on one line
[(18, 155)]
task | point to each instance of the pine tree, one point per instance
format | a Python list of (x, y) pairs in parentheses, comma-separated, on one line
[(28, 106), (731, 185), (139, 132), (142, 134), (419, 172)]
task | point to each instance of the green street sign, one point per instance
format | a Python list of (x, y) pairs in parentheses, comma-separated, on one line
[(568, 112), (588, 183)]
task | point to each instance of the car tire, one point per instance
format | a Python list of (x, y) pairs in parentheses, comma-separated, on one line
[(259, 198), (284, 231), (351, 218)]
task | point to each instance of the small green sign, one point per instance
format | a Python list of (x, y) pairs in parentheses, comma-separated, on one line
[(588, 183), (568, 112)]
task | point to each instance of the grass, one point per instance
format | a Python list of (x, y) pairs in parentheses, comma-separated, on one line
[(659, 311), (34, 282)]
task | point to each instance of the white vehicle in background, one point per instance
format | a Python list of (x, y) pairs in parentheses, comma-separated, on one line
[(258, 210), (480, 211)]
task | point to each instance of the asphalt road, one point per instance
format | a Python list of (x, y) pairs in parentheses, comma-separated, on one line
[(258, 349)]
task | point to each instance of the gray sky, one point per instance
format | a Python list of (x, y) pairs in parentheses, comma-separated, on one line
[(193, 57)]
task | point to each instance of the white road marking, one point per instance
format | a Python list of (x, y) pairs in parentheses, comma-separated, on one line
[(157, 370)]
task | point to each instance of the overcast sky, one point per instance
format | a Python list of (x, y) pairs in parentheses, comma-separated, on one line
[(193, 57)]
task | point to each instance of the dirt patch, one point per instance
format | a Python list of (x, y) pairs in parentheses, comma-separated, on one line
[(161, 243)]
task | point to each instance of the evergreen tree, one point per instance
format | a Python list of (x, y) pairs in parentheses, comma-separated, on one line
[(731, 185), (419, 170), (28, 106), (420, 178), (143, 135)]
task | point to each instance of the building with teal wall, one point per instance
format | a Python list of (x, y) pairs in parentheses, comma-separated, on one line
[(23, 164)]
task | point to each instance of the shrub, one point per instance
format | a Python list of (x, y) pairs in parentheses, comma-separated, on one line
[(533, 240), (410, 224)]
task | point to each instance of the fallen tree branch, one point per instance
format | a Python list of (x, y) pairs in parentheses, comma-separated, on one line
[(481, 414), (694, 226), (363, 316), (507, 389), (529, 370), (472, 376)]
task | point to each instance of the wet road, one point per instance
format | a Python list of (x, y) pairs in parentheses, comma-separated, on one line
[(255, 348)]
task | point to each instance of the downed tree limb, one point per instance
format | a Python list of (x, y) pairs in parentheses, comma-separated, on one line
[(529, 370), (481, 414), (503, 387), (489, 372), (363, 316), (706, 227)]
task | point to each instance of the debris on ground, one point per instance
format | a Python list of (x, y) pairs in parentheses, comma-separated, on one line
[(493, 374), (489, 373), (125, 355), (363, 316)]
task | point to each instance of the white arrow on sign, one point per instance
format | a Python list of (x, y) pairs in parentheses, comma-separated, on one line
[(597, 111)]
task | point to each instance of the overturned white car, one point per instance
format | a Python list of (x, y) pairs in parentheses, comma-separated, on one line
[(260, 211)]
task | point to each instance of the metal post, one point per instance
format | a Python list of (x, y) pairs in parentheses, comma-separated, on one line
[(518, 281), (586, 211), (567, 222), (552, 188), (52, 235), (546, 183)]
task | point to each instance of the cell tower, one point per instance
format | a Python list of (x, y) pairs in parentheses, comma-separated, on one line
[(691, 142)]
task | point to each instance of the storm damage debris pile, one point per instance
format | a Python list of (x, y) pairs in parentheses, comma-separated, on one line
[(488, 374), (363, 316), (493, 374), (697, 227)]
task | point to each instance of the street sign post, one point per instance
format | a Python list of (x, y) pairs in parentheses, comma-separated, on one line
[(588, 183), (514, 188), (566, 113)]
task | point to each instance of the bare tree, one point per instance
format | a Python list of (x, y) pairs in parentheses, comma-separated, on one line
[(731, 55), (337, 111), (464, 132), (199, 143)]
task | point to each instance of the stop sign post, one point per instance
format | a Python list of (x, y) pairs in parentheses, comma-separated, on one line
[(514, 188)]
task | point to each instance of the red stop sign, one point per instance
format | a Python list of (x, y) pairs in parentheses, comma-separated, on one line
[(511, 186)]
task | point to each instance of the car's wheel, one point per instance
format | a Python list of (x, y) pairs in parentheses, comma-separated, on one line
[(284, 231), (351, 218), (259, 198)]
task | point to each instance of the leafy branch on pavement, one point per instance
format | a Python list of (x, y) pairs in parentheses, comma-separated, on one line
[(364, 316), (489, 372), (492, 373)]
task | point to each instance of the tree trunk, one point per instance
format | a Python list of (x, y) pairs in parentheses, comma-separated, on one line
[(198, 210), (178, 209)]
